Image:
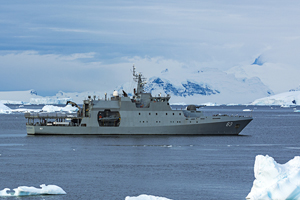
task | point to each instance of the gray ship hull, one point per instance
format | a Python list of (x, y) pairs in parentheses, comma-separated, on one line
[(214, 128), (143, 114)]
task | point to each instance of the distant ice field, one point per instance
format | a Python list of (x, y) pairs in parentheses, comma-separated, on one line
[(178, 168)]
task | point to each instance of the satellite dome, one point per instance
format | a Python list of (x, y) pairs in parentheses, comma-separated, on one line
[(115, 93)]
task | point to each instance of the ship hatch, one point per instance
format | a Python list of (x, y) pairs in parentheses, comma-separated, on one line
[(109, 118)]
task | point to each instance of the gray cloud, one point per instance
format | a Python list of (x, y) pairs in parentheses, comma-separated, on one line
[(220, 34)]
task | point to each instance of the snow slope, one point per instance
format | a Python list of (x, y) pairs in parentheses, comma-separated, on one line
[(286, 98)]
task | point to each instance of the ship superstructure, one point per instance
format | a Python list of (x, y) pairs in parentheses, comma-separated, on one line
[(143, 114)]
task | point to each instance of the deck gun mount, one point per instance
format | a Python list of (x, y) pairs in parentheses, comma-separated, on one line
[(194, 107)]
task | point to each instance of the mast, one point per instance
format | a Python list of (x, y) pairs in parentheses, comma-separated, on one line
[(141, 81)]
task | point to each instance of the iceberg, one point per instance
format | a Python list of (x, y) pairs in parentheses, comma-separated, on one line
[(28, 191), (283, 99), (146, 197), (4, 109), (275, 181), (67, 108)]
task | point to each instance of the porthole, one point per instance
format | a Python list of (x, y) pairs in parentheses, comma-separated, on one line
[(166, 113), (139, 113)]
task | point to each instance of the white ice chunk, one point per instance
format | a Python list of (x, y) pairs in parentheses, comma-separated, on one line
[(28, 191), (275, 181), (4, 192), (67, 108), (146, 197)]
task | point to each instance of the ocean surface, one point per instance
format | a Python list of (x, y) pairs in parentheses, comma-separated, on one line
[(178, 168)]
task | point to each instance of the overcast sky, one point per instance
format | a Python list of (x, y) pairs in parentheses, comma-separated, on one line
[(74, 45)]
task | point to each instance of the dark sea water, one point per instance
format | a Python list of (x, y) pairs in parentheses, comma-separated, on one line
[(179, 168)]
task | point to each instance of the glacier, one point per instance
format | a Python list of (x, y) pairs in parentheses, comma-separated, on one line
[(28, 191), (275, 181)]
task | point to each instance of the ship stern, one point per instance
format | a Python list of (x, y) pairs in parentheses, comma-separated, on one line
[(30, 130)]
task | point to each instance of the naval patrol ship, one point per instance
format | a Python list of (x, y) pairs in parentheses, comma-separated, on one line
[(143, 114)]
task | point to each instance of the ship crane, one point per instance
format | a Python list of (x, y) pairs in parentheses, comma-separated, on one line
[(74, 104)]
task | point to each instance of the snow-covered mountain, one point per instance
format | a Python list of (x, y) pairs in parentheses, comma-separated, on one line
[(190, 87), (202, 86)]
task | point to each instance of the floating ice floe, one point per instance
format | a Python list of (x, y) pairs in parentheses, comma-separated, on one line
[(247, 110), (275, 181), (29, 191), (146, 197)]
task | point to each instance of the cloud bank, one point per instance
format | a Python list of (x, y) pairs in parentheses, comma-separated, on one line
[(72, 46)]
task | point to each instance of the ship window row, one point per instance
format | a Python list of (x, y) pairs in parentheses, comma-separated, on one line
[(157, 113), (160, 122)]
